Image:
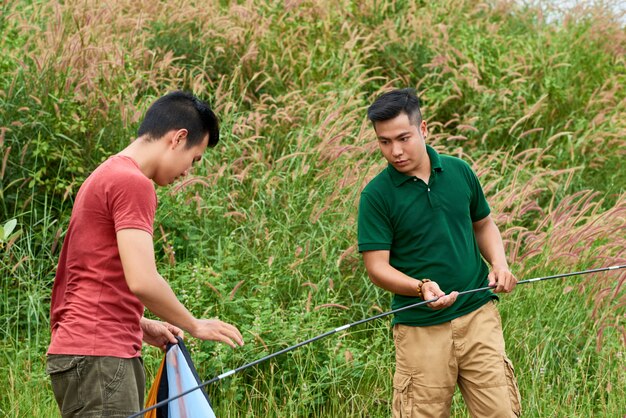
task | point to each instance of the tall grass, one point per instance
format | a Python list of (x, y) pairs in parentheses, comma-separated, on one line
[(263, 232)]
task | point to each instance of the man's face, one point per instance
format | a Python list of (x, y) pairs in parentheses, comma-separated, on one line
[(402, 144), (178, 160)]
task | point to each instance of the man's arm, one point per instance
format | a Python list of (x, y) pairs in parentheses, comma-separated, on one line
[(383, 275), (137, 255), (491, 247)]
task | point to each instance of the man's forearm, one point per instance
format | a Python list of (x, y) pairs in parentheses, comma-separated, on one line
[(490, 244), (158, 297), (394, 281)]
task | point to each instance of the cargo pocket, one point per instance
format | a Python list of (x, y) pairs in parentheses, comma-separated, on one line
[(511, 381), (64, 374), (113, 383), (402, 396)]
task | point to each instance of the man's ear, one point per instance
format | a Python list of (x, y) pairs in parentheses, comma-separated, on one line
[(179, 137), (423, 129)]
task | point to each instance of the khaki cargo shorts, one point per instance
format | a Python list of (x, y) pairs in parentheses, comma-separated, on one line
[(468, 351)]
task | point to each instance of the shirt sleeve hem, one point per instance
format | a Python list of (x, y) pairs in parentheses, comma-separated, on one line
[(374, 247), (481, 216), (147, 229)]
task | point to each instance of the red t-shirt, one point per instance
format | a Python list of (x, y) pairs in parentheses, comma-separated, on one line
[(93, 312)]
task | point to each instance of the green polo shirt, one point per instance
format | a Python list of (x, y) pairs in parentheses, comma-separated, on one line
[(427, 228)]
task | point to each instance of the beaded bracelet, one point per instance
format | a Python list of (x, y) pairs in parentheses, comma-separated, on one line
[(419, 288)]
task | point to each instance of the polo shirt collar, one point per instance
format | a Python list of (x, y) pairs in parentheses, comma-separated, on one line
[(399, 178)]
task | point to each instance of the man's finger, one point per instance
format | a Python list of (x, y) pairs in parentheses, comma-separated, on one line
[(175, 330), (234, 334), (231, 333), (225, 339), (171, 337)]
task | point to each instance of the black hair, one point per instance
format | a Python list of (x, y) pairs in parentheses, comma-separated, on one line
[(181, 110), (391, 104)]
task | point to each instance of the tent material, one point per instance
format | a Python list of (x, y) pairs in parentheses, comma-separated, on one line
[(176, 375)]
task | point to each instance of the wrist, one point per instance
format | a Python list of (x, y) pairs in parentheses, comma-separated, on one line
[(420, 285), (193, 327), (500, 266)]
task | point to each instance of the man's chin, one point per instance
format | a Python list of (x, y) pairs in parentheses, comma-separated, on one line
[(404, 168)]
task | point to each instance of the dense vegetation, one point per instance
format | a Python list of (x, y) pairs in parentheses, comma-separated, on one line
[(263, 233)]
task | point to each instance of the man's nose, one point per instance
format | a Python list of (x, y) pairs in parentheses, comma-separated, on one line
[(396, 149)]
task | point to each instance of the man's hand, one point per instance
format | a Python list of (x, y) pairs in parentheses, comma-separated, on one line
[(431, 290), (501, 279), (216, 330), (159, 333), (492, 249)]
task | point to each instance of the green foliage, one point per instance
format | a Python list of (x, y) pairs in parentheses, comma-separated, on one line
[(6, 230), (263, 233)]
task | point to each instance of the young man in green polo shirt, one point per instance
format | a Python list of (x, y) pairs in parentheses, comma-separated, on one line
[(425, 231)]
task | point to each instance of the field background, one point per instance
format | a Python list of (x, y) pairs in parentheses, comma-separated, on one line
[(263, 233)]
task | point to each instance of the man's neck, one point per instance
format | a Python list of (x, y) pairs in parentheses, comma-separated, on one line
[(144, 153)]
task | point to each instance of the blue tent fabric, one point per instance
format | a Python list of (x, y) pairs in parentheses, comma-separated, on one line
[(179, 375)]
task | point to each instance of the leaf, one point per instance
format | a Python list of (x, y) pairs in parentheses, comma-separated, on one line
[(567, 289), (8, 228)]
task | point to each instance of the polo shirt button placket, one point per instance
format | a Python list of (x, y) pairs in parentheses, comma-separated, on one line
[(430, 201)]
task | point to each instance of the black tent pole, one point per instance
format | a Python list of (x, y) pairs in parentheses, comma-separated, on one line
[(362, 321)]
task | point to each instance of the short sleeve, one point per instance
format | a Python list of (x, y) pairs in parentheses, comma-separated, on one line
[(133, 204), (479, 207), (374, 226)]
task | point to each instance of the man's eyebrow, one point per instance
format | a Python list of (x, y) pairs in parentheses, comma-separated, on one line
[(397, 136)]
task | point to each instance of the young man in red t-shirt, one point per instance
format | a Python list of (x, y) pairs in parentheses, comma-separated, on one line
[(107, 271)]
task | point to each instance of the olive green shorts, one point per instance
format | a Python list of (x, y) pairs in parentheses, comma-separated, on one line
[(89, 386)]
